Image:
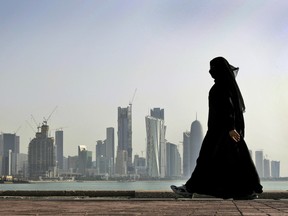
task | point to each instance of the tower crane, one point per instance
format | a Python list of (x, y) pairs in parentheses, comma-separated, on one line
[(131, 101), (37, 124), (46, 120), (30, 126)]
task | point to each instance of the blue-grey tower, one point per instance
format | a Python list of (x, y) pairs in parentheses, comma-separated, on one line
[(196, 138)]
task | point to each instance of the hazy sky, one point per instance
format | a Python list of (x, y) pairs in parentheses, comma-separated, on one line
[(88, 57)]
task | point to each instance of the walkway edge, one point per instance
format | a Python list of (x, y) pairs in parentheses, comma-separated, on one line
[(126, 194)]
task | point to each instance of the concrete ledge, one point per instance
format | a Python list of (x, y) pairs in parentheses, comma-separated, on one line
[(168, 194), (68, 193), (123, 194)]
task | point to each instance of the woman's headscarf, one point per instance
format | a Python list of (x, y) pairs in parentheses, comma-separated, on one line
[(224, 73)]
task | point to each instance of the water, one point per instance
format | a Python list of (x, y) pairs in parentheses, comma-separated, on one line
[(114, 185)]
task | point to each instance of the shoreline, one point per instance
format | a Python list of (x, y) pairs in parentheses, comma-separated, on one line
[(117, 194)]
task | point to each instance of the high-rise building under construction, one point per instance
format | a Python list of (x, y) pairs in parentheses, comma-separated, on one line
[(41, 155), (124, 141)]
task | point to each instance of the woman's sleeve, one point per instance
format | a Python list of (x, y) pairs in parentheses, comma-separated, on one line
[(221, 105)]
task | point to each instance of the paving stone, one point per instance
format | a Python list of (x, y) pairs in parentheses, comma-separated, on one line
[(143, 207)]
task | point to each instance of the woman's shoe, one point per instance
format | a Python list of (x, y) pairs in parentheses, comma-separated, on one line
[(182, 190)]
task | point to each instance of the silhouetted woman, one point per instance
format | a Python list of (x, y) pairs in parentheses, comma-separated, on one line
[(224, 167)]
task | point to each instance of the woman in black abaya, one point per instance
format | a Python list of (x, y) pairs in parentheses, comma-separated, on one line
[(224, 167)]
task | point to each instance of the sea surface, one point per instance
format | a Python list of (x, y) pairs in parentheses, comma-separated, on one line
[(115, 185)]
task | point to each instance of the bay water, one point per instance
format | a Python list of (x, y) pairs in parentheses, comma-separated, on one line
[(115, 185)]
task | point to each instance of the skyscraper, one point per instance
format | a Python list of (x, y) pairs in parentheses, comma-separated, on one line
[(156, 146), (9, 148), (84, 159), (266, 168), (41, 155), (22, 165), (125, 137), (186, 154), (100, 149), (140, 165), (101, 160), (275, 169), (173, 161), (121, 163), (157, 113), (72, 163), (196, 138), (59, 148), (259, 161), (110, 149)]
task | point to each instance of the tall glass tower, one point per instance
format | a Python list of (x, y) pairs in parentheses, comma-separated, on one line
[(259, 161), (156, 146), (275, 169), (59, 147), (9, 148), (173, 160), (125, 137), (110, 152)]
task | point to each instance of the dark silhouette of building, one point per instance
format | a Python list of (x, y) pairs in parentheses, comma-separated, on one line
[(41, 155)]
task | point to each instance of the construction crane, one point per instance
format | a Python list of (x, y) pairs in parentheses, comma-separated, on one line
[(131, 101), (46, 120), (16, 131), (30, 126), (37, 124)]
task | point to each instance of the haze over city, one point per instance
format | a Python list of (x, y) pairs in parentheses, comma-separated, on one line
[(87, 58)]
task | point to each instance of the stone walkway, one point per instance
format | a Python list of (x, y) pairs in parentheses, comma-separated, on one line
[(114, 206)]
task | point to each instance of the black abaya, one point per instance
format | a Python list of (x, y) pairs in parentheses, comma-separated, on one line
[(224, 167)]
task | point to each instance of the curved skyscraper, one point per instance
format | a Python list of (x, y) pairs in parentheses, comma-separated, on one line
[(156, 144), (196, 138)]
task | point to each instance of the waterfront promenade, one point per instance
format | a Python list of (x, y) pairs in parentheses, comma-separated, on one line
[(274, 203)]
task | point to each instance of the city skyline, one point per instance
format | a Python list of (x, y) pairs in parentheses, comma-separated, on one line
[(88, 57), (103, 165)]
